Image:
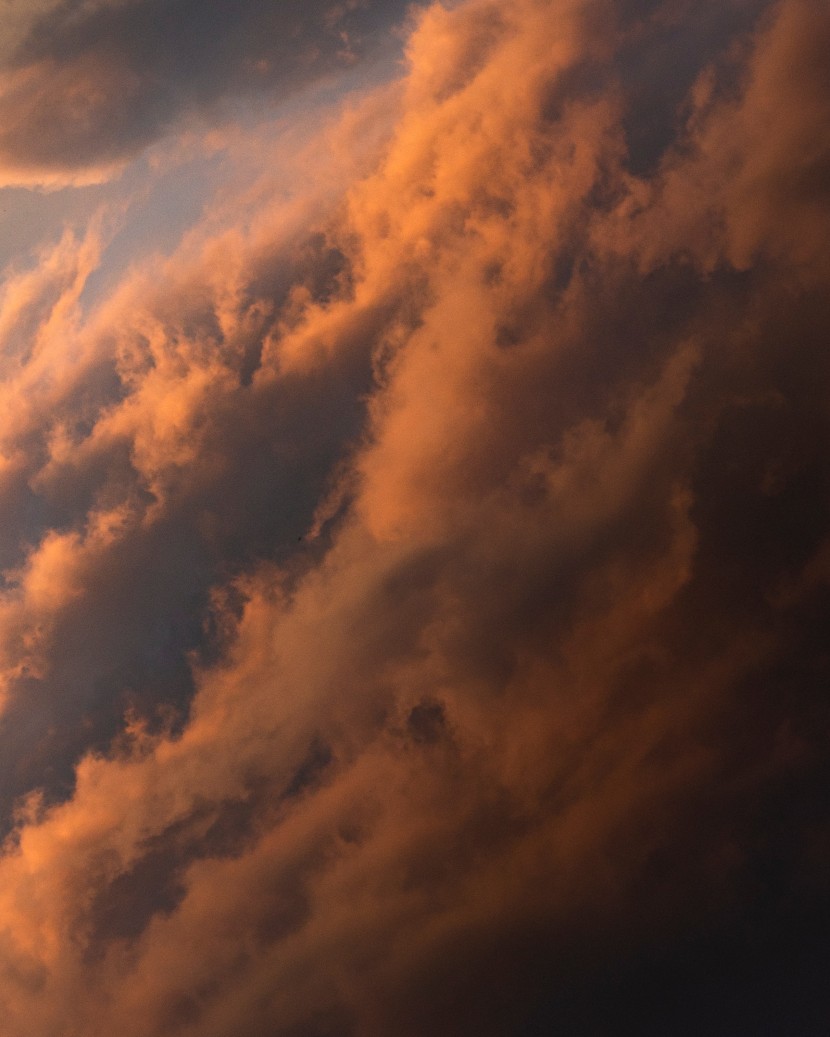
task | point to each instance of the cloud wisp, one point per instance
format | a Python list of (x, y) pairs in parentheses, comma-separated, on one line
[(414, 581)]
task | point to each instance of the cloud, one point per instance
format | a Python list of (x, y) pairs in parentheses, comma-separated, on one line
[(526, 731), (751, 176), (84, 88)]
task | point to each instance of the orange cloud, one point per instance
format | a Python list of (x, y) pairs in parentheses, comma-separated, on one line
[(749, 177), (537, 708)]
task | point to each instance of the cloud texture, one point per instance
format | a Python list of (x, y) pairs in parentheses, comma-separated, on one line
[(86, 86), (415, 578)]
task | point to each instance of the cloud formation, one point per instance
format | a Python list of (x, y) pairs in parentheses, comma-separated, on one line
[(86, 87), (415, 581)]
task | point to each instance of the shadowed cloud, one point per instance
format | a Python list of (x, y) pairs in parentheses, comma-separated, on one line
[(85, 87)]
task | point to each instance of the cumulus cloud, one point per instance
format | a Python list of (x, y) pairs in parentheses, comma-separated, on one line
[(414, 582)]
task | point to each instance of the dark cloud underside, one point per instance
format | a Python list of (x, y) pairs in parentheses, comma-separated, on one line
[(90, 86)]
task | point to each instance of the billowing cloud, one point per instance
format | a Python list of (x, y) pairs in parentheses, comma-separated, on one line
[(415, 577)]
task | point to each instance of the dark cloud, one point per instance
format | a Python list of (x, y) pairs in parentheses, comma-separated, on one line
[(88, 86)]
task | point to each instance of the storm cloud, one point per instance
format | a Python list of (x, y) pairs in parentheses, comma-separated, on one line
[(415, 573)]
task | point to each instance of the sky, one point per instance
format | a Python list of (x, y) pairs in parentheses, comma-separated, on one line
[(414, 498)]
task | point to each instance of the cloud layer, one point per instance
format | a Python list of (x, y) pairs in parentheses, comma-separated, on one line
[(415, 579), (86, 86)]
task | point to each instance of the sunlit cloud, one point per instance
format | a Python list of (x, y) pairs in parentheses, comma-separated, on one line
[(414, 556)]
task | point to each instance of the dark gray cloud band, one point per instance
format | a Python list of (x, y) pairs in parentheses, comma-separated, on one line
[(87, 87)]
